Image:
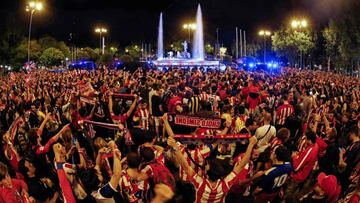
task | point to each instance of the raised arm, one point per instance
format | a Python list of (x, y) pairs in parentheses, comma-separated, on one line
[(41, 128), (180, 158), (169, 131), (133, 105), (240, 166), (117, 162), (110, 102)]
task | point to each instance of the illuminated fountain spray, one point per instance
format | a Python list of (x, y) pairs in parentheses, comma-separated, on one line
[(160, 44), (198, 46)]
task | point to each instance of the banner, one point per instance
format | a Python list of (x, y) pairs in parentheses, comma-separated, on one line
[(217, 139), (104, 125), (199, 122), (124, 96), (86, 100)]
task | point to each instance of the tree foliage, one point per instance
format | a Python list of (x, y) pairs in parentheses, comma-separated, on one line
[(51, 57), (290, 43)]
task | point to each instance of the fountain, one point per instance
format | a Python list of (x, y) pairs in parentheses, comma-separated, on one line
[(198, 48), (160, 44), (184, 59)]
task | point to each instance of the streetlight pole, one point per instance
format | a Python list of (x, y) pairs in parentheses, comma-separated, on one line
[(298, 25), (264, 33), (189, 27), (101, 30), (29, 38), (31, 7)]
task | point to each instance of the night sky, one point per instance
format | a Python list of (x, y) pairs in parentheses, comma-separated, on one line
[(136, 21)]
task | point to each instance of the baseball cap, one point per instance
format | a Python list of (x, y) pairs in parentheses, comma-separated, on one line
[(328, 183)]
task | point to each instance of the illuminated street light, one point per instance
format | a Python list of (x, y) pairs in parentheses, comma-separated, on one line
[(264, 33), (101, 30), (189, 27), (298, 25), (32, 7)]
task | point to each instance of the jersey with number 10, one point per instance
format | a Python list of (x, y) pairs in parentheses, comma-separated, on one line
[(275, 177)]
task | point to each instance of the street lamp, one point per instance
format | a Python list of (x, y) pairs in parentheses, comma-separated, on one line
[(264, 33), (101, 30), (32, 7), (298, 25), (189, 27)]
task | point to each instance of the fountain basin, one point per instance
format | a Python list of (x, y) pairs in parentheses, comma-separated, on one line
[(185, 63)]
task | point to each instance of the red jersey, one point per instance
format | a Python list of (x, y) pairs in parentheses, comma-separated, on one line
[(13, 194), (204, 96), (173, 103), (119, 119), (143, 115), (160, 174), (283, 112), (131, 190), (206, 193), (198, 155), (304, 164)]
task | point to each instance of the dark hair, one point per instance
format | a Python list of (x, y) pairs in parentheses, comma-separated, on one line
[(22, 168), (249, 122), (3, 171), (33, 136), (216, 170), (354, 130), (147, 154), (82, 111), (283, 133), (282, 154), (241, 109), (89, 179), (133, 160), (310, 135)]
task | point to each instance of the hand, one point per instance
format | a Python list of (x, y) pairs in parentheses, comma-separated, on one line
[(317, 118), (103, 150), (253, 140), (112, 144), (172, 143), (121, 127), (48, 116), (163, 192)]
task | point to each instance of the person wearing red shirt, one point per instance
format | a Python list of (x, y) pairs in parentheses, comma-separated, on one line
[(12, 190), (284, 111), (211, 187), (303, 163), (116, 115)]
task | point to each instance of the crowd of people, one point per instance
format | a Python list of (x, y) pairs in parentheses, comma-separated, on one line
[(110, 136)]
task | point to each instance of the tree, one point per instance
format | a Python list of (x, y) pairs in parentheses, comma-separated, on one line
[(252, 49), (290, 43), (106, 58), (342, 39), (21, 51), (51, 57), (88, 53), (134, 51), (209, 50)]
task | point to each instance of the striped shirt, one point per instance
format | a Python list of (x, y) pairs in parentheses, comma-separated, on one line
[(131, 190), (204, 96), (194, 104), (143, 115), (283, 112), (214, 101), (198, 155), (205, 192)]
